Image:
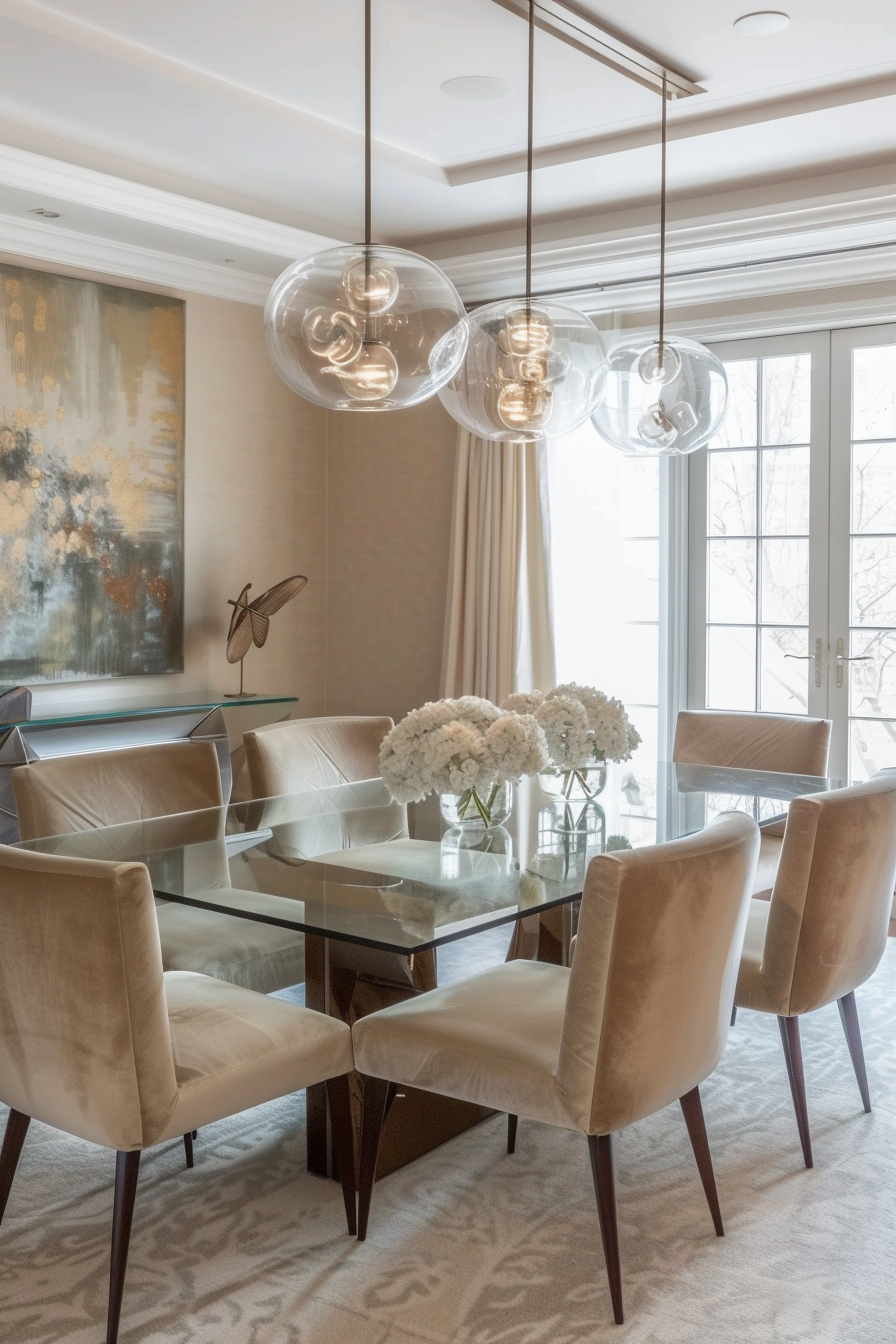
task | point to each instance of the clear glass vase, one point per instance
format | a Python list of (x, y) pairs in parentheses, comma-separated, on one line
[(478, 809), (581, 784)]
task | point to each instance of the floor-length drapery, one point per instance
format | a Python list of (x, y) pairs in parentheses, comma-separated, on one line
[(498, 626)]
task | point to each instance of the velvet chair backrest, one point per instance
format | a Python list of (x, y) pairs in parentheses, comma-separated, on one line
[(788, 744), (84, 1039), (830, 905), (306, 754), (655, 968), (104, 788)]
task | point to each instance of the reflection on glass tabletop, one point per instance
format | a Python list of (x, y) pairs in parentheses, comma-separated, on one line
[(349, 863)]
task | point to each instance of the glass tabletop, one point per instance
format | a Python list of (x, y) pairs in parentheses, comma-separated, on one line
[(349, 863), (58, 713)]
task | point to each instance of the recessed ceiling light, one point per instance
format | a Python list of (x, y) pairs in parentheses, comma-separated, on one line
[(45, 214), (476, 88), (762, 24)]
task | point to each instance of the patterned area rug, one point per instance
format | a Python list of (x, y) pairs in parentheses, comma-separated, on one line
[(470, 1246)]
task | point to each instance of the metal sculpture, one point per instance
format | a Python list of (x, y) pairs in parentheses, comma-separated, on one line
[(251, 621)]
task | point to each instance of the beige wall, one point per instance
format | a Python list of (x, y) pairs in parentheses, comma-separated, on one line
[(254, 511), (391, 478)]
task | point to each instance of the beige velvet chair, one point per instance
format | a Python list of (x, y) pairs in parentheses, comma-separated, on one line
[(106, 788), (824, 930), (637, 1022), (787, 744), (96, 1040), (305, 754)]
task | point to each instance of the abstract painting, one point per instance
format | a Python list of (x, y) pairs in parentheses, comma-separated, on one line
[(91, 479)]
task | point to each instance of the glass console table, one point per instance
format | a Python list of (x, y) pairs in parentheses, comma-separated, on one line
[(68, 729), (357, 872)]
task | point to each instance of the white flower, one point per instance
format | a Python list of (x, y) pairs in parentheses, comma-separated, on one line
[(610, 733), (523, 702), (450, 746), (565, 726)]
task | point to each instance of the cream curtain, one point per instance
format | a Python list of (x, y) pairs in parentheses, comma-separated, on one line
[(498, 628)]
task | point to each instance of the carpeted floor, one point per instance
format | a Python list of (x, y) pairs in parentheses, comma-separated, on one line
[(470, 1246)]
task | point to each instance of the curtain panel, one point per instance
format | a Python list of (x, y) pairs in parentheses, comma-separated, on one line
[(499, 633)]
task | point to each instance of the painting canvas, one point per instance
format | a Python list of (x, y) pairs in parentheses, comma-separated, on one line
[(91, 479)]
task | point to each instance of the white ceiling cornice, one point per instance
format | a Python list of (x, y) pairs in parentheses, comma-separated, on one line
[(65, 247)]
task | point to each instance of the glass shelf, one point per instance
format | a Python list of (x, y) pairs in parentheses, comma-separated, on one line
[(73, 712)]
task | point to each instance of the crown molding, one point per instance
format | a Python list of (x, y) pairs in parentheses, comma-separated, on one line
[(708, 120), (59, 180), (65, 247)]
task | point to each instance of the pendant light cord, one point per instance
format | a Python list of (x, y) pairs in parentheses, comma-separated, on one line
[(529, 150), (662, 223), (367, 141)]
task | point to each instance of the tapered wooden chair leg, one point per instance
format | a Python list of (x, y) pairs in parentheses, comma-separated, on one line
[(511, 1133), (373, 1116), (127, 1169), (13, 1141), (793, 1057), (850, 1018), (600, 1146), (692, 1109), (343, 1127), (188, 1149)]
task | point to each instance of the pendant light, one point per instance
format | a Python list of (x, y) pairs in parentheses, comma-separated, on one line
[(364, 327), (530, 367), (663, 397)]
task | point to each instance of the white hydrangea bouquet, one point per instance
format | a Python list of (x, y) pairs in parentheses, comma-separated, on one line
[(467, 748), (584, 729)]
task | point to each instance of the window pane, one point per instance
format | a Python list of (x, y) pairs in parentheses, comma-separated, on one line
[(786, 383), (639, 497), (874, 487), (785, 490), (872, 684), (641, 665), (872, 747), (874, 392), (785, 580), (873, 581), (640, 575), (739, 426), (783, 681), (731, 668), (732, 581), (732, 494)]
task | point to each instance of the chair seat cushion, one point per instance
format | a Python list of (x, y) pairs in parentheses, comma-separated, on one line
[(750, 991), (493, 1039), (234, 1049), (263, 957)]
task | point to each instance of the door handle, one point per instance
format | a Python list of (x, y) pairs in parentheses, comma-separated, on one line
[(811, 657), (843, 658)]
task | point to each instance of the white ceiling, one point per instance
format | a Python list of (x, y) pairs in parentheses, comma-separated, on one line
[(259, 108)]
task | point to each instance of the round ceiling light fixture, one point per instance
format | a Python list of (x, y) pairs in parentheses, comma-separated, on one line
[(365, 327), (663, 397), (477, 88), (764, 23), (532, 366)]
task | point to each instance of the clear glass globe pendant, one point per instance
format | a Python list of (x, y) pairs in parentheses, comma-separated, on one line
[(662, 397), (531, 368), (676, 409), (365, 328)]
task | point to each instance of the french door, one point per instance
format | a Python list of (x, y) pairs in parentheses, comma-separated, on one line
[(792, 545)]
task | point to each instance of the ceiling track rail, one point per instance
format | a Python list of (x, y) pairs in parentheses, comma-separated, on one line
[(632, 282), (583, 32)]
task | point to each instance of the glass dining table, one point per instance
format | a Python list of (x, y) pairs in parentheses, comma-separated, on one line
[(377, 888)]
